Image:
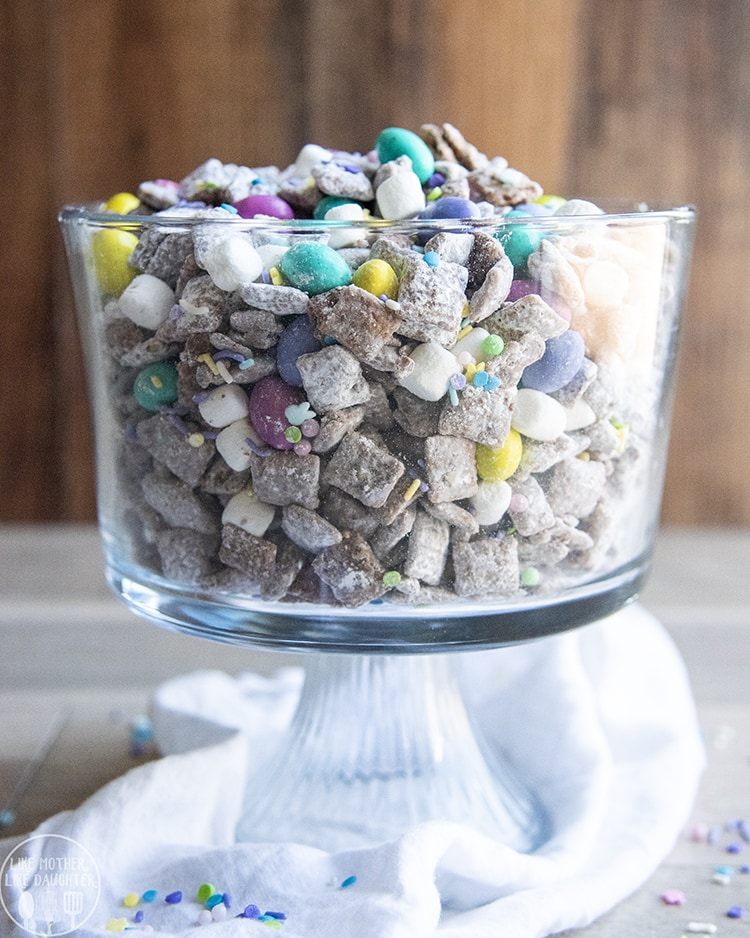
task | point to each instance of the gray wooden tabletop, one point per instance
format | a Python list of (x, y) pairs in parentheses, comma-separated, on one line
[(68, 648)]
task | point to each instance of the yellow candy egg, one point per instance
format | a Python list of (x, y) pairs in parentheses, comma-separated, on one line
[(122, 203), (498, 463), (377, 277), (112, 250)]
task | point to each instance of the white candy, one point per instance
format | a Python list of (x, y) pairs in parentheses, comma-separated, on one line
[(471, 343), (249, 513), (232, 444), (232, 262), (204, 917), (491, 501), (433, 367), (219, 912), (578, 207), (538, 416), (578, 416), (310, 155), (224, 405), (147, 301), (605, 285), (344, 237), (271, 254), (400, 196)]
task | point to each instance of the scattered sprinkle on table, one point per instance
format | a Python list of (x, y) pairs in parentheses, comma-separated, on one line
[(673, 897), (736, 911), (349, 881)]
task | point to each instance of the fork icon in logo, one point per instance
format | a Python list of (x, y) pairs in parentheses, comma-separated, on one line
[(73, 906), (48, 908)]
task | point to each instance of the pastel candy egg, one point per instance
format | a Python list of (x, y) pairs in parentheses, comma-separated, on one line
[(433, 368), (538, 416), (224, 405), (264, 205), (232, 262), (146, 301), (400, 196), (451, 207), (377, 277), (269, 400), (122, 203), (491, 501), (155, 386), (519, 240), (297, 339), (328, 202), (563, 357), (233, 447), (314, 268), (396, 141), (111, 250), (498, 463)]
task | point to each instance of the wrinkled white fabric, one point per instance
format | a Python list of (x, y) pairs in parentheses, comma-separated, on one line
[(600, 723)]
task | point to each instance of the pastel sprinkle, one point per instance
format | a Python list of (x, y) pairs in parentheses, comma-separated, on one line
[(721, 879), (246, 363), (480, 379), (272, 922), (280, 916), (251, 911), (227, 897), (209, 362), (196, 440), (432, 258), (310, 428), (303, 447), (724, 870), (391, 578), (173, 898), (745, 869), (149, 895), (224, 372), (229, 208), (735, 911), (701, 928), (492, 346), (214, 900), (458, 382), (293, 434), (467, 330), (226, 353), (117, 924), (734, 848), (530, 576), (434, 194), (276, 278), (412, 490), (492, 383), (131, 900), (673, 897), (138, 917), (453, 396), (349, 881)]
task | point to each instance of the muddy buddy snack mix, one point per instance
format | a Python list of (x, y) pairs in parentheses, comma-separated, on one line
[(405, 376)]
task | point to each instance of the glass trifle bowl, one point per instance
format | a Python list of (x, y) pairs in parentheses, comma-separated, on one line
[(379, 438)]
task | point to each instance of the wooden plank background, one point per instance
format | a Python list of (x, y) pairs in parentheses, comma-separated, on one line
[(646, 99)]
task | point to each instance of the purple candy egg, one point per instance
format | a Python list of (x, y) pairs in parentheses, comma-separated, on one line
[(268, 402), (297, 339), (562, 358), (451, 207), (264, 205)]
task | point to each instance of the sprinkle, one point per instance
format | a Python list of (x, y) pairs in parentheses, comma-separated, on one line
[(724, 870), (265, 277), (205, 891), (149, 895), (434, 194), (701, 928), (393, 304), (178, 423), (229, 208), (138, 917), (329, 340), (276, 278), (470, 371), (390, 578), (224, 372), (735, 911), (271, 922), (458, 382), (210, 434), (116, 924), (432, 258), (131, 900), (214, 900), (350, 168), (530, 576), (293, 434), (349, 881), (196, 440), (480, 379), (721, 879), (467, 330), (453, 396), (262, 451), (518, 503), (297, 414), (251, 911), (465, 358), (492, 346), (423, 487), (310, 428), (493, 383), (303, 448), (281, 916), (436, 179), (743, 829), (175, 312), (585, 456), (734, 848), (745, 869), (225, 353), (208, 360), (246, 363), (417, 248), (412, 490), (200, 397), (673, 897), (173, 897)]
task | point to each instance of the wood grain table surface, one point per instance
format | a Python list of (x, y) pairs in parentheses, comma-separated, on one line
[(69, 650)]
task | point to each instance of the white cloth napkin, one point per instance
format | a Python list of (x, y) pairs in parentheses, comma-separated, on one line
[(600, 722)]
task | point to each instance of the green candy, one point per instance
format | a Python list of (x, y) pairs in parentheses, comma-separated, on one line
[(156, 385), (519, 241), (205, 891), (395, 141), (328, 202), (314, 268)]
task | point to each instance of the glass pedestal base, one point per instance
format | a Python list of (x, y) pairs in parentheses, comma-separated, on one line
[(377, 745)]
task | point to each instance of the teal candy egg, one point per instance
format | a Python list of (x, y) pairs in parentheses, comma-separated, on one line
[(328, 202), (156, 386), (314, 268), (519, 241), (395, 141)]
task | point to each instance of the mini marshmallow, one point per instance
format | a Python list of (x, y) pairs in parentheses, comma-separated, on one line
[(345, 237), (491, 501), (233, 447), (433, 368), (578, 416), (232, 262), (271, 254), (538, 416), (400, 196), (146, 301), (471, 343), (247, 511), (224, 405), (310, 155), (578, 207)]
